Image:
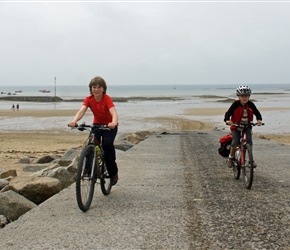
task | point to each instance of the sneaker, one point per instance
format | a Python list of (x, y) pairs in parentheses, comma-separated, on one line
[(229, 163), (114, 180)]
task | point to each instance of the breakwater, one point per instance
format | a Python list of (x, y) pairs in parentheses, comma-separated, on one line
[(59, 99), (32, 98)]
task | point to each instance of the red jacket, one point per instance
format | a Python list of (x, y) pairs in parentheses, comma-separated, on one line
[(235, 112)]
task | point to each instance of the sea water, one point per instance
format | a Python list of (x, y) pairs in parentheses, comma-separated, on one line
[(139, 115), (81, 91)]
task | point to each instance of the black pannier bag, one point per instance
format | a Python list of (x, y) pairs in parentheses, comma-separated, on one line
[(225, 144)]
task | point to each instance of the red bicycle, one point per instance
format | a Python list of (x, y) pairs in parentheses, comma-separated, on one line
[(243, 158)]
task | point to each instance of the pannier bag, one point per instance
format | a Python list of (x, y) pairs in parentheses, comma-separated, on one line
[(225, 144)]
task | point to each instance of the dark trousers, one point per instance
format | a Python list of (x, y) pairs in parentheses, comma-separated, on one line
[(237, 137), (108, 137)]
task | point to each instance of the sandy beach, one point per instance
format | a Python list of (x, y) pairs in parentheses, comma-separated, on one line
[(34, 143)]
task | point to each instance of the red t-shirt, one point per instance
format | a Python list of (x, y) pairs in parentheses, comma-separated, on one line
[(100, 109)]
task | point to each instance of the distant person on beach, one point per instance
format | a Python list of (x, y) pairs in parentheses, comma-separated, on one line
[(241, 111), (13, 107), (105, 113), (17, 106)]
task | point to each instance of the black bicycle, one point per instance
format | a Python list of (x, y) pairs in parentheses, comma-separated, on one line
[(243, 158), (91, 167)]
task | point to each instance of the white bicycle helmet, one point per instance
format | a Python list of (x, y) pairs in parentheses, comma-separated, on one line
[(243, 90)]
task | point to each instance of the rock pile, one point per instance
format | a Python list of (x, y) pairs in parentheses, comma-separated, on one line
[(46, 177)]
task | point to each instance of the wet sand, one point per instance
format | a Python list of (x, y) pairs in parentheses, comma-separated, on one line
[(18, 144)]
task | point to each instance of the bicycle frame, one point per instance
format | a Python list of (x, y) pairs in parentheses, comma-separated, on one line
[(241, 147), (91, 141)]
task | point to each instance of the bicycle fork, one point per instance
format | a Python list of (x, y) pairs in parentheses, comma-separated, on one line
[(85, 168)]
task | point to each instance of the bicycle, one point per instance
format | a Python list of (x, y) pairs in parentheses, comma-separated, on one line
[(243, 158), (91, 166)]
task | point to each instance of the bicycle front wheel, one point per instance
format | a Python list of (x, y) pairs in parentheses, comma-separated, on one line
[(236, 169), (86, 178), (105, 180), (248, 169)]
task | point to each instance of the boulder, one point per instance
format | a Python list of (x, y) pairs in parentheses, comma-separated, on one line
[(34, 167), (135, 138), (42, 172), (69, 156), (14, 205), (46, 159), (59, 173), (24, 160), (7, 188), (8, 173), (4, 220), (123, 145), (72, 168), (36, 189), (3, 183)]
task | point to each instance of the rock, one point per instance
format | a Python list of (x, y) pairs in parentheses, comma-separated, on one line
[(263, 137), (14, 205), (45, 159), (59, 173), (43, 172), (8, 173), (135, 138), (123, 145), (3, 183), (69, 156), (36, 189), (34, 167), (24, 160), (7, 188), (4, 220), (72, 168)]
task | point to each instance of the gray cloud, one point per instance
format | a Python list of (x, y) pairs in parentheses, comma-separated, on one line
[(145, 43)]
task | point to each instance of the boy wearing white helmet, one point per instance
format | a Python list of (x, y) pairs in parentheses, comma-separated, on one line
[(241, 111)]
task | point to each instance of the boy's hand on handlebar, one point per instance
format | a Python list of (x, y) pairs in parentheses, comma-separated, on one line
[(259, 123), (73, 124), (112, 125), (229, 122)]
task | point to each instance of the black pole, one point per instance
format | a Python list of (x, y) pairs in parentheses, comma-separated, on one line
[(55, 87)]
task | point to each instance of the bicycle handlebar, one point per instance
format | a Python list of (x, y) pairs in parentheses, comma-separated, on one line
[(245, 124), (83, 127)]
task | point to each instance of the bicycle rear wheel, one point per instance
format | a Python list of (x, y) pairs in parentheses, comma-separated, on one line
[(86, 178), (105, 180), (248, 169)]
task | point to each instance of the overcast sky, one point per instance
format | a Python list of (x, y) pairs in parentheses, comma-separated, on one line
[(144, 42)]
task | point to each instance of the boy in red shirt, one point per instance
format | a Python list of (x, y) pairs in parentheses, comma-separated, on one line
[(241, 111), (105, 113)]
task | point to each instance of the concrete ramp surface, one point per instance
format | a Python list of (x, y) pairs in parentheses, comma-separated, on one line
[(174, 192)]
